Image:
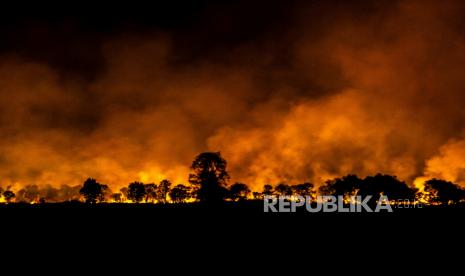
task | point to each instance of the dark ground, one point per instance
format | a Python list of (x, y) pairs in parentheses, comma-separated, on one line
[(142, 237), (250, 215)]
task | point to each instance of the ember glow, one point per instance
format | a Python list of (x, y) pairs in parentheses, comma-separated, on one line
[(316, 90)]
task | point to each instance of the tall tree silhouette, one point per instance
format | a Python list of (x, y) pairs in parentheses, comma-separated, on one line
[(136, 191), (210, 177), (239, 191), (92, 191), (443, 192)]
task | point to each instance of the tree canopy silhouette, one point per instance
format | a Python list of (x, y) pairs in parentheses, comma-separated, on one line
[(267, 190), (387, 185), (374, 186), (136, 191), (8, 195), (283, 190), (443, 192), (179, 193), (210, 177), (304, 189), (150, 192), (93, 191), (345, 186), (239, 191)]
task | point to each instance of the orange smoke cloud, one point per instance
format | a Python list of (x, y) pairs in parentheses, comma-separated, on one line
[(378, 92)]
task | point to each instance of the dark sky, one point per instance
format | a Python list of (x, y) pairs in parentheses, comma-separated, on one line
[(68, 35)]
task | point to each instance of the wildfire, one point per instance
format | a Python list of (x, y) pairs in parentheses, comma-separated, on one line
[(370, 93)]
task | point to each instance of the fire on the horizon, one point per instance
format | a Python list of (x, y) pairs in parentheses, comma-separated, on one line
[(359, 93)]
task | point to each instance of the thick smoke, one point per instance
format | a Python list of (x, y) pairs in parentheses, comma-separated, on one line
[(372, 88)]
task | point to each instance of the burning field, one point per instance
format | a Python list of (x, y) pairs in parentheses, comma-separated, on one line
[(290, 92)]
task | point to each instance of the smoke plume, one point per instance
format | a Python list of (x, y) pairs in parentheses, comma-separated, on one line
[(332, 90)]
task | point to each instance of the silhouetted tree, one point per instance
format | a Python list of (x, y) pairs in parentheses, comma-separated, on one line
[(209, 177), (373, 186), (345, 186), (8, 195), (239, 191), (388, 185), (443, 192), (150, 192), (92, 191), (267, 190), (283, 189), (257, 195), (136, 192), (106, 193), (179, 193), (163, 190), (304, 189)]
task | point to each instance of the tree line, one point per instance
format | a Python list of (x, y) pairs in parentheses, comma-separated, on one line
[(208, 183)]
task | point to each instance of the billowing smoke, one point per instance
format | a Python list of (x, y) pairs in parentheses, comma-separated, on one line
[(373, 87)]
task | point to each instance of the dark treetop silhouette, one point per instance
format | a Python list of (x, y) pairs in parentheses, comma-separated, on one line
[(209, 184), (209, 177), (387, 185), (136, 192), (93, 191), (443, 192)]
